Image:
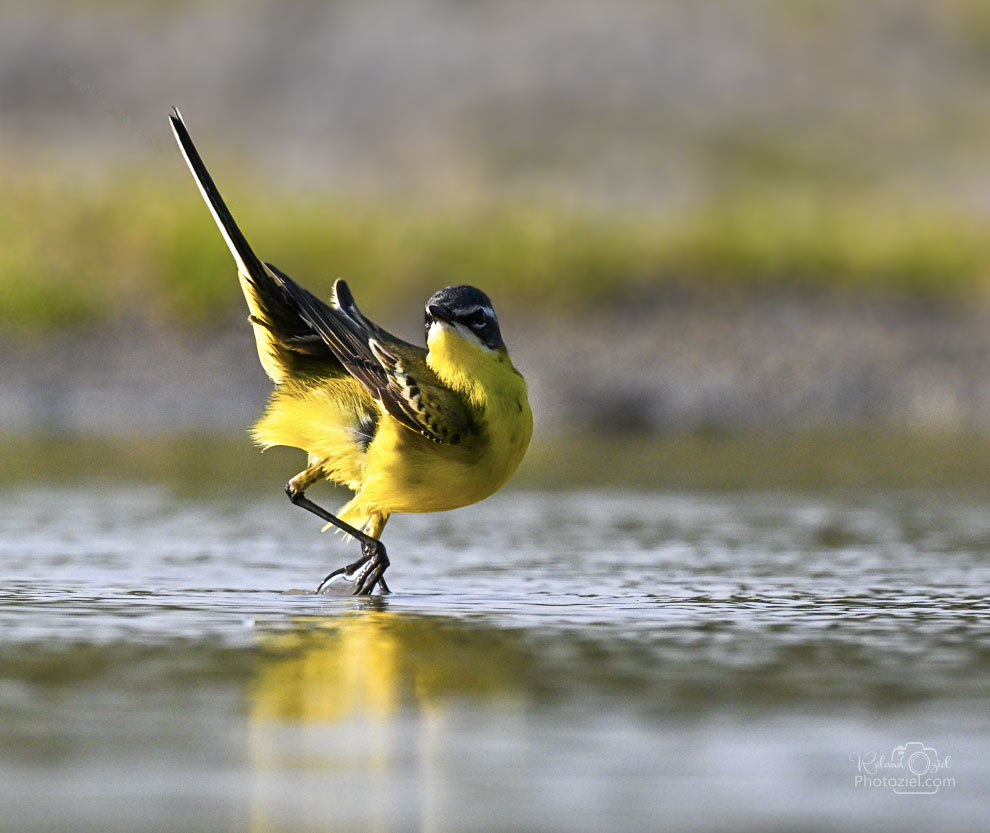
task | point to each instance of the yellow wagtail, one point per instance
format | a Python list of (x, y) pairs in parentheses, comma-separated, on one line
[(407, 429)]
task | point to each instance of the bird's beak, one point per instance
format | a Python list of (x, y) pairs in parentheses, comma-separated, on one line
[(439, 312)]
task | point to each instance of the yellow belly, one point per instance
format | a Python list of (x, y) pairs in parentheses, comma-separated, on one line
[(406, 472)]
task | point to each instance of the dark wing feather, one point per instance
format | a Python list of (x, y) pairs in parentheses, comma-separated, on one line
[(288, 328), (392, 370)]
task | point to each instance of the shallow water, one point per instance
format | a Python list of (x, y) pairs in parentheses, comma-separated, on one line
[(547, 662)]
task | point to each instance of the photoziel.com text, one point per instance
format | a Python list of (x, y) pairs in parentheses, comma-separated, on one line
[(910, 769)]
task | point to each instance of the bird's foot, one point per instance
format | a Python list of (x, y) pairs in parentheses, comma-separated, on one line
[(361, 577)]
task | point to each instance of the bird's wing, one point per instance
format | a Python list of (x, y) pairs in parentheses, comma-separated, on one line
[(291, 345), (391, 370)]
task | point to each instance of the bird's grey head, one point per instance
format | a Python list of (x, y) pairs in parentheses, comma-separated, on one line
[(468, 308)]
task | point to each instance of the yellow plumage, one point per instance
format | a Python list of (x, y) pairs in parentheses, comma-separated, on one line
[(317, 421)]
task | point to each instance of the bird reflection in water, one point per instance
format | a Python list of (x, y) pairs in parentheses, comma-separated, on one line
[(349, 715)]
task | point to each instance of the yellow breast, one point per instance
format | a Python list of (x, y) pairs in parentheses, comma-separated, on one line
[(406, 472)]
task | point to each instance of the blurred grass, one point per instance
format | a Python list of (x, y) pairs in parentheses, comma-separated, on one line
[(146, 247), (811, 460), (834, 458)]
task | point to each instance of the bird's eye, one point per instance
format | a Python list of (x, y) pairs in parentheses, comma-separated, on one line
[(476, 320)]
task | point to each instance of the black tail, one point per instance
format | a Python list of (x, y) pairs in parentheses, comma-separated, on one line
[(286, 342), (247, 261)]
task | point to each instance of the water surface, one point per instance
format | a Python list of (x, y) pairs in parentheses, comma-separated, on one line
[(585, 660)]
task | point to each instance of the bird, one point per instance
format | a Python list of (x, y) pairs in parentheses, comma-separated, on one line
[(406, 428)]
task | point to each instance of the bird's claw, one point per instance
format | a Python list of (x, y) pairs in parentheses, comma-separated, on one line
[(361, 577)]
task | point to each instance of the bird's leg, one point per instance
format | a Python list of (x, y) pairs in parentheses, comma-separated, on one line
[(359, 578)]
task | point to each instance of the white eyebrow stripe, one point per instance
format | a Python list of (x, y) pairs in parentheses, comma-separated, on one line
[(488, 311)]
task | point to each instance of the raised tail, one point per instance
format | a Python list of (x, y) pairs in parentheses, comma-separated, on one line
[(286, 344), (248, 263)]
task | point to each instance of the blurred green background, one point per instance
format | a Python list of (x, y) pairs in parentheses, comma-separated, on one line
[(730, 243)]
